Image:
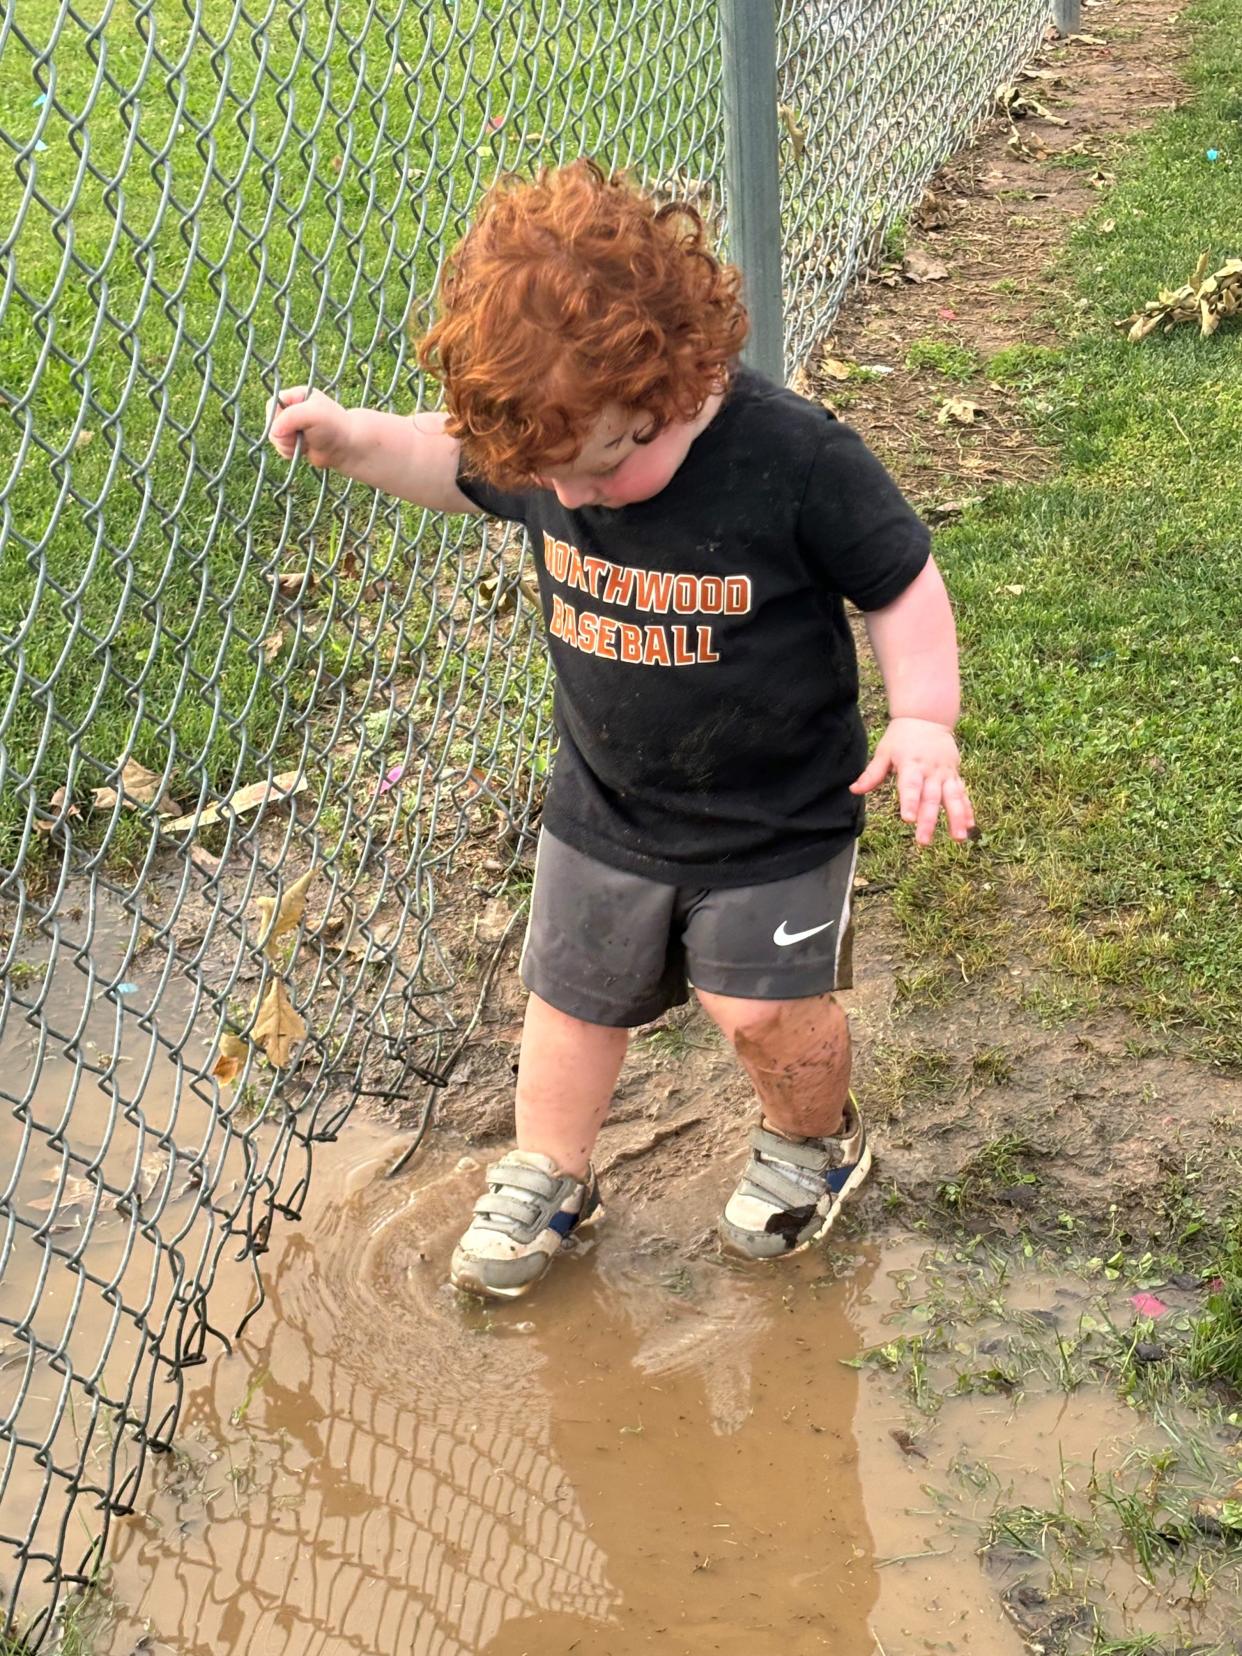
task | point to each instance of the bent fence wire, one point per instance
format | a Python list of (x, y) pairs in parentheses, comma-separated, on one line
[(264, 735)]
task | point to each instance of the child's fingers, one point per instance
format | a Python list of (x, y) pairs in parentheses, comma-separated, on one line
[(874, 774), (910, 792), (929, 810), (957, 808)]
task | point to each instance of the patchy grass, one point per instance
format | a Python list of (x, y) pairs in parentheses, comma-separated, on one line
[(1100, 622), (1088, 1513), (944, 357)]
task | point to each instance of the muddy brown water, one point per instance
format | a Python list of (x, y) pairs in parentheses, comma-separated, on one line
[(651, 1454), (656, 1452)]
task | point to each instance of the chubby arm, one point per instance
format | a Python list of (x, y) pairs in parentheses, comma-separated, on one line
[(410, 456), (915, 643)]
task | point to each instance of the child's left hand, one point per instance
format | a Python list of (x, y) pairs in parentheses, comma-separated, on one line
[(924, 757)]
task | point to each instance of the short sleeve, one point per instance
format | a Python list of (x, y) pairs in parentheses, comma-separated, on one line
[(856, 529), (495, 502)]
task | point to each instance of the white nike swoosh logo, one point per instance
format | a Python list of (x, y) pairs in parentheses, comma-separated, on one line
[(783, 938)]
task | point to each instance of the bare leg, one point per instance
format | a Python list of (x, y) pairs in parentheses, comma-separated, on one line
[(566, 1075), (797, 1053)]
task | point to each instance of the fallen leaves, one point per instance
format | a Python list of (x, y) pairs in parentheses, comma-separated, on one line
[(231, 1058), (273, 790), (280, 916), (139, 786), (1019, 107), (278, 1027), (959, 410), (72, 1193), (921, 266), (946, 510), (836, 369), (1206, 299)]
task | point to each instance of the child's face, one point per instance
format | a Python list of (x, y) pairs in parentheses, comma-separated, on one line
[(613, 469)]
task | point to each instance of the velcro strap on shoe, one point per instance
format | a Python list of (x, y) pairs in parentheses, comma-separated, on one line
[(777, 1187), (517, 1176), (816, 1156), (500, 1204)]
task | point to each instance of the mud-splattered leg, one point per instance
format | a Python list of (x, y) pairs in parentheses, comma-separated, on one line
[(797, 1053), (566, 1075)]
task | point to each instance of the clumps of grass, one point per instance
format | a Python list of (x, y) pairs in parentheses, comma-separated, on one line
[(1215, 1351), (944, 357), (997, 1170), (1022, 364), (901, 1076), (993, 1066)]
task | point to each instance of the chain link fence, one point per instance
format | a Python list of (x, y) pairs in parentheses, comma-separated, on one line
[(268, 740)]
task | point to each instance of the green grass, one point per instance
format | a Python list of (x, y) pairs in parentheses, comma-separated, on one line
[(266, 208), (941, 356), (1100, 614)]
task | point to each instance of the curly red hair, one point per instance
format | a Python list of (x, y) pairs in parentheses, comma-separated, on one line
[(566, 295)]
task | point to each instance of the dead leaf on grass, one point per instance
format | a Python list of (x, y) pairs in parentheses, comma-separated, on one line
[(960, 410), (296, 583), (83, 439), (278, 917), (279, 1027), (836, 369), (948, 509), (920, 266), (1107, 226), (1206, 299), (272, 791), (272, 645), (1101, 180), (139, 786)]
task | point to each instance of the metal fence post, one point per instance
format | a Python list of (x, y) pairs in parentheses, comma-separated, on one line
[(752, 173), (1067, 15)]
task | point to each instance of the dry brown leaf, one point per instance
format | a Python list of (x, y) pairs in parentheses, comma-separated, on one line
[(836, 369), (58, 803), (272, 645), (296, 583), (1107, 227), (271, 792), (279, 1027), (919, 266), (795, 128), (231, 1057), (83, 439), (379, 940), (935, 211), (276, 921), (948, 509), (960, 410), (139, 786)]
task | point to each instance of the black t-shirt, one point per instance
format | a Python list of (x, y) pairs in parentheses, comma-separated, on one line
[(707, 685)]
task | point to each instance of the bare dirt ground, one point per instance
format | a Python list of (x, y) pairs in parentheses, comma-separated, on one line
[(987, 1111)]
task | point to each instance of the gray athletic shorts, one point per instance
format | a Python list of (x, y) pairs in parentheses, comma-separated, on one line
[(618, 949)]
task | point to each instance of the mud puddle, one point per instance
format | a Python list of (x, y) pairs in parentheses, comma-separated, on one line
[(862, 1452)]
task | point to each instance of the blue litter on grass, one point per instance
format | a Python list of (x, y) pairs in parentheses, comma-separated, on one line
[(1213, 155), (127, 988), (39, 101), (40, 146)]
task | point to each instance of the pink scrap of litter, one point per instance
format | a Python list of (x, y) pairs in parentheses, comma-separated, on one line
[(394, 776), (1147, 1305)]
